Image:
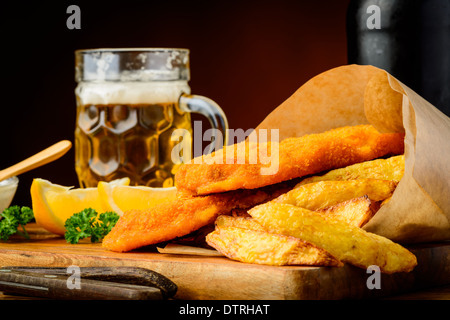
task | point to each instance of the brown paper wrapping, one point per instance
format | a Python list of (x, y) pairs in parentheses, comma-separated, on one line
[(419, 210)]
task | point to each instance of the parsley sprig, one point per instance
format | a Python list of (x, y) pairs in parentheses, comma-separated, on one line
[(84, 224), (88, 223), (13, 217)]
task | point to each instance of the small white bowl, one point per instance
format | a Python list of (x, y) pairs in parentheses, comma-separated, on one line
[(8, 189)]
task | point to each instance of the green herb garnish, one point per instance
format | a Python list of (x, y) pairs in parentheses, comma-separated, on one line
[(13, 217), (85, 224)]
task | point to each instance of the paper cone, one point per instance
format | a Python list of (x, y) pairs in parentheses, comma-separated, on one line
[(419, 210)]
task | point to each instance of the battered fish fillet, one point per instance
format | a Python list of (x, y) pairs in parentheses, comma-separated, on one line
[(169, 220), (298, 157)]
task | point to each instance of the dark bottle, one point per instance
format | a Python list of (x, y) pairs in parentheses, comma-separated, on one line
[(408, 38)]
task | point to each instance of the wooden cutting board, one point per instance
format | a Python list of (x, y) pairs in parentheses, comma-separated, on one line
[(202, 277)]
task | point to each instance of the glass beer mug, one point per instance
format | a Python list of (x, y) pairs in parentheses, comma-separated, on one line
[(129, 102)]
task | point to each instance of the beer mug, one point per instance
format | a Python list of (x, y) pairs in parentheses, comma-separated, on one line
[(129, 102)]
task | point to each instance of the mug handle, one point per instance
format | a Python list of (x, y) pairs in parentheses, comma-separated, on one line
[(212, 111)]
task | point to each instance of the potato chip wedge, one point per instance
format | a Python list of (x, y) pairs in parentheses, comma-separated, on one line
[(322, 194), (392, 168), (239, 222), (260, 247), (357, 211), (346, 242)]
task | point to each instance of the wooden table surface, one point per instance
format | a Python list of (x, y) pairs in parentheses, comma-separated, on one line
[(45, 250), (437, 293)]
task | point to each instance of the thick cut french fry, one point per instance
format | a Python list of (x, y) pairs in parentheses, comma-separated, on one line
[(322, 194), (346, 242), (357, 211), (392, 168), (239, 222), (260, 247)]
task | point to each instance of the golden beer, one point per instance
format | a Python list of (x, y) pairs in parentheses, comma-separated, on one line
[(116, 141), (129, 102)]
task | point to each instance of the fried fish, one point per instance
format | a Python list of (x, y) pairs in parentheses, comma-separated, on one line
[(172, 219), (298, 157)]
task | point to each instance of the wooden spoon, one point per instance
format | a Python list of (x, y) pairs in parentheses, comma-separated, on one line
[(39, 159)]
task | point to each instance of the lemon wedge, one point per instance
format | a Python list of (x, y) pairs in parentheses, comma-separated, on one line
[(123, 198), (53, 204)]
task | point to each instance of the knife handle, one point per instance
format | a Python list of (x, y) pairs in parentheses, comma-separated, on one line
[(56, 287), (129, 275)]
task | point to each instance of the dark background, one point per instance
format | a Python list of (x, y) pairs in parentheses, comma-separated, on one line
[(248, 56)]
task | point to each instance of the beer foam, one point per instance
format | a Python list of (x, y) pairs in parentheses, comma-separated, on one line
[(133, 92)]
